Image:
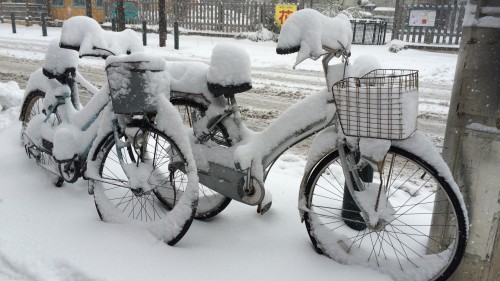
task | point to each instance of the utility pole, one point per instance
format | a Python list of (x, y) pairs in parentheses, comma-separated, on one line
[(472, 139), (162, 29)]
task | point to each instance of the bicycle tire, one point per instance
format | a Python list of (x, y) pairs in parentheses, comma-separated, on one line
[(33, 105), (113, 197), (330, 234), (210, 203)]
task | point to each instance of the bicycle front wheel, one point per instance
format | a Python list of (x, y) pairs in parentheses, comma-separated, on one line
[(424, 236), (154, 169)]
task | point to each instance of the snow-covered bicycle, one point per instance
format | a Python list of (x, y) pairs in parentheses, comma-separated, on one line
[(375, 191), (125, 140)]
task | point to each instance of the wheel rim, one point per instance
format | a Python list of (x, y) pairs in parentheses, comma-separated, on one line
[(152, 195), (404, 247), (210, 203), (34, 108)]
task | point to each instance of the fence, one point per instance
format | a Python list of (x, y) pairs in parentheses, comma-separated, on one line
[(233, 17), (447, 28), (21, 11), (369, 32), (206, 15)]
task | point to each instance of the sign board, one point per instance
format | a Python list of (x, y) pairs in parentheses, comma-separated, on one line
[(131, 9), (283, 11), (422, 17)]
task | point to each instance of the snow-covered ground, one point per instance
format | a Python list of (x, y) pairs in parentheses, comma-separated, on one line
[(48, 233)]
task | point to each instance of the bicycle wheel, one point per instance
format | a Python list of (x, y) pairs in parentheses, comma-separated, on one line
[(210, 203), (153, 165), (403, 246), (32, 106)]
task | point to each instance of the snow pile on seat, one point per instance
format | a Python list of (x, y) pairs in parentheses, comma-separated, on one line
[(229, 66), (58, 60), (309, 32), (86, 36)]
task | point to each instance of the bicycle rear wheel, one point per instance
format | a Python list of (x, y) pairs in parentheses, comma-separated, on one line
[(32, 106), (154, 165), (404, 247), (210, 203)]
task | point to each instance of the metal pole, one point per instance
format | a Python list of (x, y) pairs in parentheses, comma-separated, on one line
[(13, 20), (162, 29), (176, 35), (44, 27), (472, 148), (144, 33), (27, 13), (120, 14)]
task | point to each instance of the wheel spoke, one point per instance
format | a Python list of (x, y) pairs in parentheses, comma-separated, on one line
[(402, 239)]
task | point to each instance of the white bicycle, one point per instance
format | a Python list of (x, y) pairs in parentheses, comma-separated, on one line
[(375, 191)]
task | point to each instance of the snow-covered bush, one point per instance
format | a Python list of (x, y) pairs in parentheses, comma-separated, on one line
[(263, 34), (10, 100), (330, 9), (397, 45), (10, 95)]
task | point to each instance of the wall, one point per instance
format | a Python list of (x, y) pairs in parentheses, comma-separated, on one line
[(68, 10)]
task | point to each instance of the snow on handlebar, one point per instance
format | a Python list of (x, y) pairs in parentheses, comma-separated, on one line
[(313, 35), (85, 35)]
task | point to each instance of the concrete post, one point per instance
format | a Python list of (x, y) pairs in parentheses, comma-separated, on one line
[(472, 144)]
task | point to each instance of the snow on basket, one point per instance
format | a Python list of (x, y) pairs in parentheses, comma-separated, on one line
[(383, 104), (133, 82)]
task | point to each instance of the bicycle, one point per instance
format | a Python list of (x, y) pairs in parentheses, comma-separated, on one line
[(375, 191), (122, 140)]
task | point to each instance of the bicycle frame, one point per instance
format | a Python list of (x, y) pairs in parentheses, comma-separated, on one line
[(236, 181)]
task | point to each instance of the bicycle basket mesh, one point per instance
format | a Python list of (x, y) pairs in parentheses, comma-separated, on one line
[(383, 104), (128, 84)]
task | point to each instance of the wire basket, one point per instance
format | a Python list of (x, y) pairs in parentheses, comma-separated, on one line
[(129, 87), (383, 104)]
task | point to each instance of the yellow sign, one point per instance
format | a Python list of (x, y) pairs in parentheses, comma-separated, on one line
[(283, 11)]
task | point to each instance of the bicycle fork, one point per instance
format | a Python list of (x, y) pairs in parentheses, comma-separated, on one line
[(362, 208)]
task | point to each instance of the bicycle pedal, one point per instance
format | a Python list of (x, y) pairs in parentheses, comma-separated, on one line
[(263, 209), (266, 203)]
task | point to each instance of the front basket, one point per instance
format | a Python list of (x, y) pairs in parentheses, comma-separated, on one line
[(383, 104)]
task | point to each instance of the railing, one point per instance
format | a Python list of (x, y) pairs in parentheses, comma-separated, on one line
[(21, 11), (369, 32)]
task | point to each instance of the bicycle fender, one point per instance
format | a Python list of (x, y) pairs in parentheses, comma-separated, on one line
[(324, 143)]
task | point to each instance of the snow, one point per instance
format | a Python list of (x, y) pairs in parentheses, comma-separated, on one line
[(484, 128), (309, 32), (55, 234), (10, 101), (229, 66), (57, 59), (86, 35), (484, 21)]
